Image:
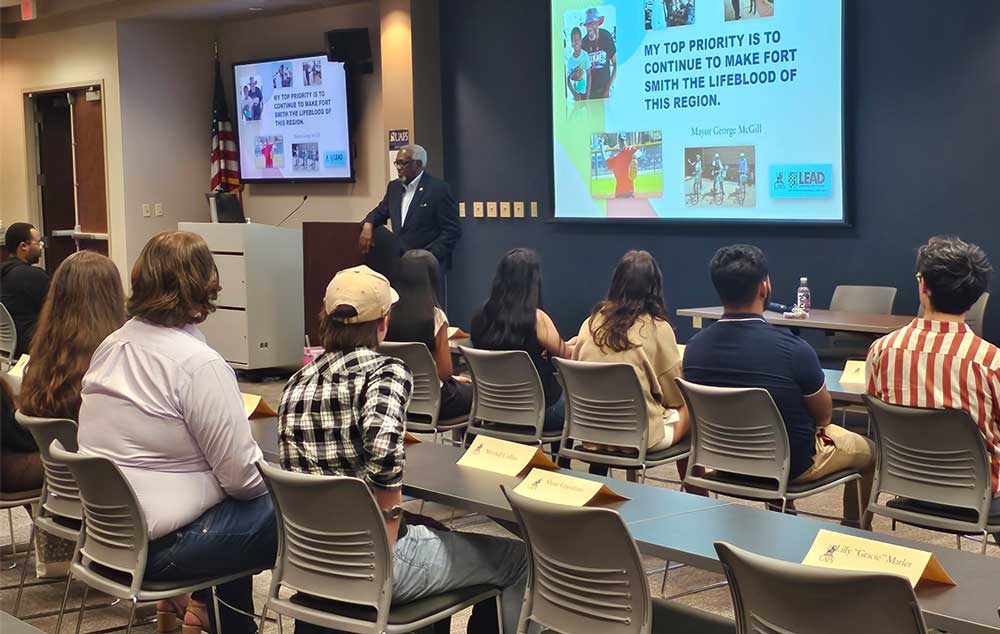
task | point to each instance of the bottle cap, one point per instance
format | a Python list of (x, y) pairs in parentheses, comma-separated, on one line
[(803, 280)]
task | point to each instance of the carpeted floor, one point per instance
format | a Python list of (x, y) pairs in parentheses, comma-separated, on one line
[(47, 597)]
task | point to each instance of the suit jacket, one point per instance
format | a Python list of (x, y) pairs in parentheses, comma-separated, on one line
[(431, 221)]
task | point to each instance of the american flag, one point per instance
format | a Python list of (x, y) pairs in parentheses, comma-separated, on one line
[(225, 160)]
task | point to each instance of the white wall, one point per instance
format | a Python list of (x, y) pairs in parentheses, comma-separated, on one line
[(304, 33), (166, 72), (71, 57)]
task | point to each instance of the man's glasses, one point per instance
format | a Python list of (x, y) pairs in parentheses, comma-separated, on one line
[(401, 163)]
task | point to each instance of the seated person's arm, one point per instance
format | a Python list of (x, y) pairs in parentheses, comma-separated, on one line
[(442, 354), (549, 337), (808, 374), (820, 407), (670, 396), (382, 421), (214, 415)]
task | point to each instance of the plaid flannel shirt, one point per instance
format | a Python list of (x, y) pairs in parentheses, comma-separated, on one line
[(343, 415)]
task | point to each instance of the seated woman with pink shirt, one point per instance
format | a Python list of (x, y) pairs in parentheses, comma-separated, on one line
[(166, 408)]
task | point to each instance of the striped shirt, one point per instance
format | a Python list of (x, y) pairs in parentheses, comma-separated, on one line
[(941, 365)]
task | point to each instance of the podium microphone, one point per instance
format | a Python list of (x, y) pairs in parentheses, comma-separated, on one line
[(304, 199)]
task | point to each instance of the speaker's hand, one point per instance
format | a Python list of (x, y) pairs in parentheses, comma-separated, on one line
[(365, 240)]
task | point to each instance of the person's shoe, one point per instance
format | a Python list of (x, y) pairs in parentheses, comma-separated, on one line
[(196, 618), (169, 613)]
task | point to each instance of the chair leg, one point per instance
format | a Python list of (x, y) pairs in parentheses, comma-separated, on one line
[(131, 617), (281, 627), (958, 541), (24, 570), (83, 606), (631, 475), (499, 614), (986, 540), (861, 509), (13, 544), (666, 571), (263, 619), (642, 478), (62, 608), (215, 606)]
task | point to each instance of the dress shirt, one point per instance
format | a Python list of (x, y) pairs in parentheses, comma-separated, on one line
[(166, 408), (409, 191)]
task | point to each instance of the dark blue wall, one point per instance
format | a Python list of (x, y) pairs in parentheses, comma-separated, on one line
[(922, 109)]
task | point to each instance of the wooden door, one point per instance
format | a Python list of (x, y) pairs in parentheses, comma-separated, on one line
[(91, 195), (55, 177)]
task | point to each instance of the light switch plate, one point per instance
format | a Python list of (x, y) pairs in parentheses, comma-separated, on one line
[(147, 210), (461, 210), (491, 209), (477, 209), (519, 209), (505, 210), (534, 209), (158, 209)]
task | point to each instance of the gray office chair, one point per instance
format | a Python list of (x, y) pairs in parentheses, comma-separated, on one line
[(873, 300), (8, 339), (341, 563), (605, 406), (60, 513), (772, 597), (422, 415), (16, 499), (935, 465), (507, 401), (593, 583), (738, 435), (973, 318), (111, 552)]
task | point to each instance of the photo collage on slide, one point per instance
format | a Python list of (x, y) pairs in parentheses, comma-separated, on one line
[(698, 110), (256, 90), (627, 166)]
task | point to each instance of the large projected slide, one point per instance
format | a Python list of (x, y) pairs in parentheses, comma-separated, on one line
[(698, 110), (292, 120)]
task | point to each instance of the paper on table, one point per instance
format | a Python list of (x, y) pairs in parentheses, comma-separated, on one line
[(854, 373), (255, 407), (847, 552), (454, 332), (559, 488), (503, 457), (19, 367)]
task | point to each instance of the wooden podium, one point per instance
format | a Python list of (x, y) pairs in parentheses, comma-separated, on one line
[(328, 247)]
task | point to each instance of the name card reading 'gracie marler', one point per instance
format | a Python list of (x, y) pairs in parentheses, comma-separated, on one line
[(503, 457), (559, 488), (847, 552)]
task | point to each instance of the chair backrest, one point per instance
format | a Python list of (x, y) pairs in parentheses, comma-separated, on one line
[(875, 300), (778, 597), (340, 556), (930, 455), (507, 390), (738, 431), (62, 495), (114, 530), (605, 405), (8, 338), (586, 572), (425, 401), (973, 318)]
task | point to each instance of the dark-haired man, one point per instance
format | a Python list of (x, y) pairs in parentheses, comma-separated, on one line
[(343, 415), (743, 350), (23, 286), (948, 366)]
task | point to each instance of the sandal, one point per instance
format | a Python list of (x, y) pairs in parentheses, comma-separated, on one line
[(169, 614)]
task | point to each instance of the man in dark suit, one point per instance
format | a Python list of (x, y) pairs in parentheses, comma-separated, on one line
[(423, 212)]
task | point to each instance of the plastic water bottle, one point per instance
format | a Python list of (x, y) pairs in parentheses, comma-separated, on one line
[(804, 300)]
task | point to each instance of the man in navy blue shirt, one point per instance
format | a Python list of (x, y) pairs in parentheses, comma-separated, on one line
[(743, 350)]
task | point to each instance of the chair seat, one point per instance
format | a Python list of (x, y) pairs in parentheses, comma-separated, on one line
[(453, 423), (663, 455), (798, 489), (400, 613), (16, 498), (151, 586), (547, 436), (671, 617), (945, 512)]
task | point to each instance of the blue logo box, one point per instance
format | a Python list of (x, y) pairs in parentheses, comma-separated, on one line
[(334, 159), (801, 180)]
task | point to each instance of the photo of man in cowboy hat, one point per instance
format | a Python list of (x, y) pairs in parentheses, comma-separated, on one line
[(599, 43)]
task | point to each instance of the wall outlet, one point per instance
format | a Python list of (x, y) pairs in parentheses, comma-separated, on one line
[(519, 209), (477, 209), (158, 209), (491, 209), (534, 209), (461, 210), (147, 210), (505, 210)]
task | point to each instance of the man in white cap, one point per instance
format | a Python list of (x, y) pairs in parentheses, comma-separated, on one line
[(343, 414)]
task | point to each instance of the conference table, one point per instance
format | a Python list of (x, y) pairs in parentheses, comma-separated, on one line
[(683, 528), (818, 319), (843, 392)]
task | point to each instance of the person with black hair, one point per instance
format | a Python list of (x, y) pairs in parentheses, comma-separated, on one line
[(418, 317), (949, 366), (23, 286), (513, 319), (743, 350)]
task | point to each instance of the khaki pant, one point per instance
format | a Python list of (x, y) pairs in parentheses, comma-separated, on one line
[(838, 449)]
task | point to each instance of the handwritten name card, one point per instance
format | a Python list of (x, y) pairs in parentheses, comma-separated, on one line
[(847, 552), (503, 457), (559, 488)]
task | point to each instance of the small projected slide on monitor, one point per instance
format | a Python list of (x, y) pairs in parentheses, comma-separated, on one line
[(292, 119), (698, 110)]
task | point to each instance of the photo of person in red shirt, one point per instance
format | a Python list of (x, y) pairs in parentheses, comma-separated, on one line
[(625, 168), (269, 152)]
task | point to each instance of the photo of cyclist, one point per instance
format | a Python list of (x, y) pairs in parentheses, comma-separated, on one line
[(725, 160)]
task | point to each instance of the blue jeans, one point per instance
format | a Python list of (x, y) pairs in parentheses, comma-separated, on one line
[(234, 535), (427, 562), (555, 415)]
